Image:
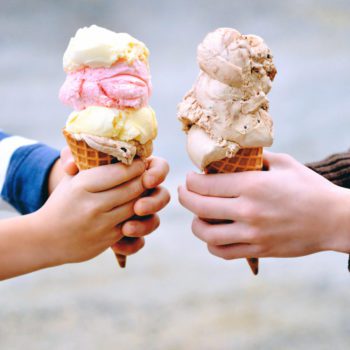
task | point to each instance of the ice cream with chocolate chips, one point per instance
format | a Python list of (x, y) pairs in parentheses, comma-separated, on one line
[(227, 107)]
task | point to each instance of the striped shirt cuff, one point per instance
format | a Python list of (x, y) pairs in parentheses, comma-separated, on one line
[(24, 169)]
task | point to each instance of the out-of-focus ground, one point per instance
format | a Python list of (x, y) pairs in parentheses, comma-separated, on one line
[(173, 294)]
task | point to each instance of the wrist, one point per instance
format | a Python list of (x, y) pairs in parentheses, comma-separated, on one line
[(339, 238), (44, 241)]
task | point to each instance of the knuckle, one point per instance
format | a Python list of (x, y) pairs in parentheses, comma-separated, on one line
[(78, 183), (260, 251), (137, 186), (181, 196), (201, 211), (243, 212), (211, 249), (89, 210), (212, 239), (167, 196), (253, 234), (151, 207), (117, 232), (200, 230), (189, 180), (163, 165), (122, 171), (130, 228), (200, 208), (156, 222), (142, 243), (256, 185), (249, 213), (225, 254), (166, 167), (219, 252), (195, 226), (286, 158), (248, 234), (140, 166), (209, 236)]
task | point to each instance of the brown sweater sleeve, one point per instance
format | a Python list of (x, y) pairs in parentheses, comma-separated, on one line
[(335, 168)]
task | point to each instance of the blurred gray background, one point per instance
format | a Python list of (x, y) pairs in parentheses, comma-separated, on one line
[(173, 294)]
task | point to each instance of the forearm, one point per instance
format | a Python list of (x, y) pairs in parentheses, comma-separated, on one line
[(22, 247)]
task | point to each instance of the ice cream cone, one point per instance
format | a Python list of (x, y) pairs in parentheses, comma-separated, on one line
[(121, 260), (246, 159), (108, 85), (86, 157)]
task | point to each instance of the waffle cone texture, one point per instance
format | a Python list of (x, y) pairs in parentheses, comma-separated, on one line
[(246, 159), (86, 157)]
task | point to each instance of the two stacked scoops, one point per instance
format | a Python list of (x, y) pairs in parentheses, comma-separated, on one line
[(108, 84), (225, 114)]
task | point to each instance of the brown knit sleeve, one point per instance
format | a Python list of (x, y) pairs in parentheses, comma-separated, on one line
[(335, 168)]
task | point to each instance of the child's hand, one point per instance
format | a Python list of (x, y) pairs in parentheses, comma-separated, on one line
[(146, 208), (286, 211), (83, 216)]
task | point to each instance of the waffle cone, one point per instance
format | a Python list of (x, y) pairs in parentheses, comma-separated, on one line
[(246, 159), (86, 157)]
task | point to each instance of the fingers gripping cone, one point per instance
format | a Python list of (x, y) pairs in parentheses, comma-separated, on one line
[(86, 157), (246, 159)]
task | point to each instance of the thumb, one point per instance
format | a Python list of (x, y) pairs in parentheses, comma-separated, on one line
[(67, 162)]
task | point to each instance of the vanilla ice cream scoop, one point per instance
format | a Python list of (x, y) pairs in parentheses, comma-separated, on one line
[(97, 47), (227, 108)]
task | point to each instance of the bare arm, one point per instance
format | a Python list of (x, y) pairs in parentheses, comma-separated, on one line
[(23, 247), (80, 220)]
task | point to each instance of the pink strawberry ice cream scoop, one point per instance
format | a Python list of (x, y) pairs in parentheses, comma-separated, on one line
[(123, 85)]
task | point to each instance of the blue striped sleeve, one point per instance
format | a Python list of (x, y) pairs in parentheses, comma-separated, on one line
[(25, 167)]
